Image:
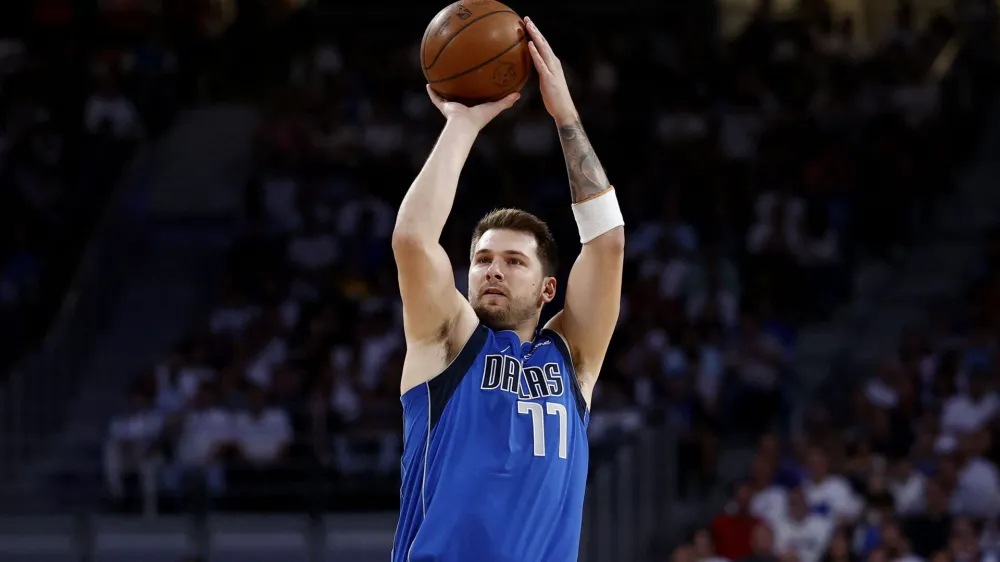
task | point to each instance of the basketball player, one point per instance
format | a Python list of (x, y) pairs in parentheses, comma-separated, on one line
[(495, 410)]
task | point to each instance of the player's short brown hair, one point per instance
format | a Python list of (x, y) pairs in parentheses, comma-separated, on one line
[(521, 221)]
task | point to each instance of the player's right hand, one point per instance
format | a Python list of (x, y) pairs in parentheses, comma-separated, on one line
[(476, 116)]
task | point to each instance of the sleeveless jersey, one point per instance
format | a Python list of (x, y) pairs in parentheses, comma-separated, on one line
[(495, 456)]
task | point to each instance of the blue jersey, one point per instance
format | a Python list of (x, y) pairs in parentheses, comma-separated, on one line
[(495, 456)]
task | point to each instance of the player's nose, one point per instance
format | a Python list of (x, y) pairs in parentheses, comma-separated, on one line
[(494, 271)]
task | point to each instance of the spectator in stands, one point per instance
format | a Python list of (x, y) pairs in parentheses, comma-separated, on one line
[(109, 112), (762, 546), (972, 410), (770, 500), (840, 548), (929, 529), (204, 433), (262, 434), (704, 549), (758, 362), (827, 492), (736, 532), (800, 533), (131, 447)]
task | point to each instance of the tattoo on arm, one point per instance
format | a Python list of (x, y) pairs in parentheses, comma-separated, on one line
[(586, 175)]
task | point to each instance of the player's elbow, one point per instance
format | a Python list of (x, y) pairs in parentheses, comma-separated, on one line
[(407, 239), (611, 242)]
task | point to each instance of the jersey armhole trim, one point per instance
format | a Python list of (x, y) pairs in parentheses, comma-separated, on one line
[(443, 386), (563, 346)]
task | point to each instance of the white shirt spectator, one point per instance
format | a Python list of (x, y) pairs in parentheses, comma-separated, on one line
[(382, 139), (762, 231), (173, 393), (672, 274), (808, 537), (533, 136), (824, 250), (881, 394), (344, 401), (232, 319), (770, 504), (681, 126), (374, 353), (261, 437), (726, 303), (313, 251), (739, 132), (115, 109), (648, 234), (141, 428), (908, 494), (262, 366), (204, 430), (794, 207), (978, 492), (963, 413), (280, 194), (710, 372), (835, 494), (350, 215)]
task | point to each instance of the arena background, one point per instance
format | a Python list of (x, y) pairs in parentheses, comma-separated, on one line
[(195, 199)]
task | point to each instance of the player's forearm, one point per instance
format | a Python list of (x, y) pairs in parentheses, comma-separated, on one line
[(425, 209), (586, 174)]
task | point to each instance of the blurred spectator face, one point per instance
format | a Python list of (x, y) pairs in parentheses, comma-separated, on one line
[(762, 540), (797, 506), (877, 555), (963, 540), (507, 286), (947, 475), (140, 402), (744, 493), (940, 557), (684, 553), (768, 447), (762, 472), (840, 547), (703, 545), (256, 399), (979, 384), (892, 537), (205, 398), (817, 464)]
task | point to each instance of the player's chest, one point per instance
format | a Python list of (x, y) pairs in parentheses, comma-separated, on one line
[(510, 378)]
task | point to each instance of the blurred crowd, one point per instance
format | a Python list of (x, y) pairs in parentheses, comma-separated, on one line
[(757, 178), (70, 120), (906, 469)]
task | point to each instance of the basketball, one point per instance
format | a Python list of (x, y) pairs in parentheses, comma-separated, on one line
[(475, 51)]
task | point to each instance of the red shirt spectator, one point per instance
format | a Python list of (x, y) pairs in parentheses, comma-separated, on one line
[(733, 528)]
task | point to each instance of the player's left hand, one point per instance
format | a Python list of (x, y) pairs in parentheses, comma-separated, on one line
[(551, 79)]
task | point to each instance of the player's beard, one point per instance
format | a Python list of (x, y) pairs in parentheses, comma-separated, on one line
[(509, 314)]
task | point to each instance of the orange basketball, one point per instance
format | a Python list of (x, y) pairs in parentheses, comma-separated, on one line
[(475, 51)]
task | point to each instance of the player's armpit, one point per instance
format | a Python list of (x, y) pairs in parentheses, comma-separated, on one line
[(593, 300)]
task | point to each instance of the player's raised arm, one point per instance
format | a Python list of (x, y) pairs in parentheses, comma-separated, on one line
[(434, 312), (593, 294)]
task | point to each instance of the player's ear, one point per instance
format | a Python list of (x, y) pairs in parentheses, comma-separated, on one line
[(548, 289)]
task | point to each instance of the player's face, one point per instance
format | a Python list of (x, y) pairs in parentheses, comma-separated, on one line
[(507, 287)]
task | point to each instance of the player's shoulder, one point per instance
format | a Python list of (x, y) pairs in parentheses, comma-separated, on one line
[(552, 338)]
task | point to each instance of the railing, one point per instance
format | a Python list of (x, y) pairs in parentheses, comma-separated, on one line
[(34, 397), (628, 504), (629, 499)]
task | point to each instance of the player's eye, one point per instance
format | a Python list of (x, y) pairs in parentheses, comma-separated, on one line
[(515, 261), (483, 260)]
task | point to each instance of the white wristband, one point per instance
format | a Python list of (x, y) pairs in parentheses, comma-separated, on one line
[(597, 215)]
